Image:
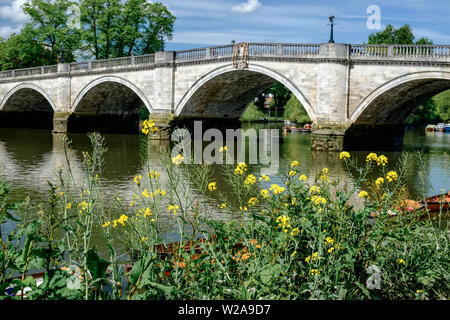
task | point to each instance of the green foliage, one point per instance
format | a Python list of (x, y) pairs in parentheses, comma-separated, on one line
[(252, 113), (424, 114), (403, 35), (294, 111), (442, 101)]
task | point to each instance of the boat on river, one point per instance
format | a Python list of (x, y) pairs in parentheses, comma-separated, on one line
[(435, 203), (447, 127), (439, 127)]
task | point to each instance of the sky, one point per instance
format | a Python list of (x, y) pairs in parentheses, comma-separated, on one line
[(203, 23)]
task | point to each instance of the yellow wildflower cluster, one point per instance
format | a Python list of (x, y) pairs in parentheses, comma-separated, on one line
[(223, 206), (223, 149), (329, 241), (250, 180), (173, 208), (68, 206), (84, 206), (264, 177), (145, 193), (154, 174), (178, 159), (344, 155), (143, 239), (106, 224), (401, 261), (137, 179), (253, 201), (302, 178), (212, 186), (283, 222), (158, 191), (315, 272), (379, 182), (146, 213), (391, 176), (324, 175), (243, 208), (148, 126), (276, 189), (382, 160), (295, 232), (372, 157), (241, 168), (315, 256), (314, 189), (264, 193), (121, 220), (292, 173), (363, 194), (317, 200), (294, 163)]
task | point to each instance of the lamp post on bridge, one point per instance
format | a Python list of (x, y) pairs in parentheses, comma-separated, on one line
[(393, 32), (331, 18), (162, 39)]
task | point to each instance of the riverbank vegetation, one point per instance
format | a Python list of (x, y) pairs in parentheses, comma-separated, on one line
[(298, 240)]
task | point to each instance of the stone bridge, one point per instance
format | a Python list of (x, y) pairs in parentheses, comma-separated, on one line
[(358, 96)]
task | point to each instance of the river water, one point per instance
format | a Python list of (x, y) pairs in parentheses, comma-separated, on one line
[(28, 158)]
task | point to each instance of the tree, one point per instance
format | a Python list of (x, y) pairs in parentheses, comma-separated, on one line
[(23, 51), (49, 21), (113, 28), (280, 94), (404, 35)]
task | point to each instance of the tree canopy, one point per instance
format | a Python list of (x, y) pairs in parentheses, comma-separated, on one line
[(107, 29)]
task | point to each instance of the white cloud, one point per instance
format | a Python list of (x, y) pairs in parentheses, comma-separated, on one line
[(13, 12), (6, 31), (246, 7)]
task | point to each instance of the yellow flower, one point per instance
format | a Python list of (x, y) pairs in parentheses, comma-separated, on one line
[(264, 193), (363, 194), (302, 178), (294, 163), (379, 182), (292, 173), (344, 155), (283, 222), (122, 219), (391, 176), (382, 160), (154, 174), (276, 189), (173, 208), (264, 177), (222, 149), (84, 206), (243, 208), (223, 206), (317, 200), (315, 272), (178, 159), (212, 186), (331, 250), (68, 206), (137, 179), (241, 168), (293, 253), (372, 157), (145, 193), (314, 189), (329, 240), (401, 261), (251, 179), (253, 201), (143, 239), (147, 126), (295, 232), (147, 212), (106, 224)]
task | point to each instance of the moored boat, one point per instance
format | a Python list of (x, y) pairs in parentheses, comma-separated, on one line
[(435, 203), (447, 127), (430, 128), (439, 127)]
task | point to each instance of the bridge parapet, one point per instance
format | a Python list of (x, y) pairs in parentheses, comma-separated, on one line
[(400, 52)]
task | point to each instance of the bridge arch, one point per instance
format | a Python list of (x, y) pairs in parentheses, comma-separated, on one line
[(108, 79), (222, 92), (395, 100), (108, 104), (378, 123), (28, 92)]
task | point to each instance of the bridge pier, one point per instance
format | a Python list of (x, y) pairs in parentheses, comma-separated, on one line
[(60, 121), (162, 122)]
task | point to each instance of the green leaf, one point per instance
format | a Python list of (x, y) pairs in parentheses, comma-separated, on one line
[(97, 266)]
